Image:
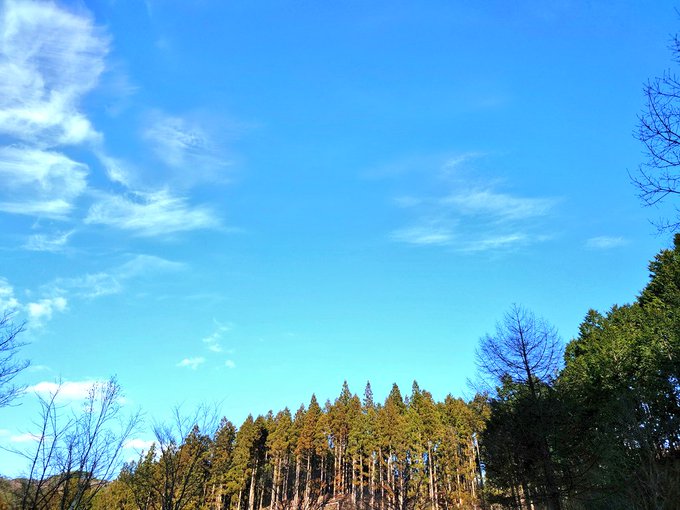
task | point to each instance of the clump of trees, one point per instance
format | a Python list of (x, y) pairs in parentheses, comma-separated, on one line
[(601, 431), (406, 453)]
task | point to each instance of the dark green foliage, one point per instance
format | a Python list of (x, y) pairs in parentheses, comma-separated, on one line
[(622, 376), (609, 422)]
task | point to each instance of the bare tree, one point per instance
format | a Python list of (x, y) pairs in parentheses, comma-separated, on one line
[(525, 348), (76, 453), (525, 351), (176, 474), (659, 131), (10, 366)]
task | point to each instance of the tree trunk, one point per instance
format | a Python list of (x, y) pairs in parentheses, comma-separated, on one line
[(308, 482), (296, 493), (274, 490), (371, 480), (251, 493)]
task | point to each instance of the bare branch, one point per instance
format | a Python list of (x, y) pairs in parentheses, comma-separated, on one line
[(9, 365)]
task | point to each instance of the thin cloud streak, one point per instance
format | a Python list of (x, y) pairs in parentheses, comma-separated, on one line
[(425, 235), (605, 242)]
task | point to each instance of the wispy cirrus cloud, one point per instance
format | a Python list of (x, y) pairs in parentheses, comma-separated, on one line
[(605, 242), (151, 214), (192, 363), (471, 216), (184, 143), (50, 59)]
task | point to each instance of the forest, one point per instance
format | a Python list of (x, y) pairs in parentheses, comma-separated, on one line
[(593, 426)]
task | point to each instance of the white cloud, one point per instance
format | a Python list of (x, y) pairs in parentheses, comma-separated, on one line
[(43, 309), (8, 301), (138, 444), (69, 390), (50, 59), (229, 364), (49, 243), (212, 341), (151, 213), (38, 182), (192, 363), (605, 242)]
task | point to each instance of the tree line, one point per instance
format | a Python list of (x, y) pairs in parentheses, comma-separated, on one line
[(408, 452)]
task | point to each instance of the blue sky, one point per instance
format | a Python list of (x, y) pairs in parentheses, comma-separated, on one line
[(247, 202)]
